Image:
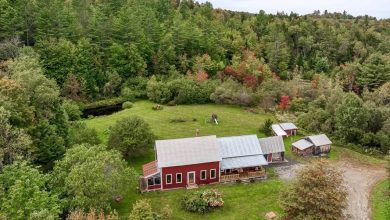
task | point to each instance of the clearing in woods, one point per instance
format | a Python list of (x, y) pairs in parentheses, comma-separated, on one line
[(242, 202)]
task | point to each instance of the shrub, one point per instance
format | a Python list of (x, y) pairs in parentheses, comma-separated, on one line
[(202, 201), (158, 91), (128, 94), (181, 90), (105, 102), (232, 92), (72, 110), (79, 133), (127, 105), (142, 210), (193, 202), (131, 136), (138, 86)]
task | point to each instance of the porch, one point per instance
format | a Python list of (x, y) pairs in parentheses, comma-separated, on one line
[(243, 175)]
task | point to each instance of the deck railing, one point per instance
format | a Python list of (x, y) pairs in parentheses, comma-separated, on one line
[(242, 176)]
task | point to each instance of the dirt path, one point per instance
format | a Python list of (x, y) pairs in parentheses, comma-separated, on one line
[(360, 179)]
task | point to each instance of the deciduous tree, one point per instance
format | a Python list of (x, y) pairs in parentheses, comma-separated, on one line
[(317, 193)]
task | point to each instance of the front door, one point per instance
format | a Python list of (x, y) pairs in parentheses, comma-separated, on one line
[(191, 178)]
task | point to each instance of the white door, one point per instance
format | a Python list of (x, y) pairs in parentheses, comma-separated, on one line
[(191, 178)]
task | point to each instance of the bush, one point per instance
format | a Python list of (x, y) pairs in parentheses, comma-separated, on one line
[(142, 210), (72, 110), (232, 92), (79, 133), (127, 105), (137, 85), (128, 94), (202, 201), (103, 103), (131, 136), (180, 90)]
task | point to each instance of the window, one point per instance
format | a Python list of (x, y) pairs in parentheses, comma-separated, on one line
[(203, 174), (213, 174), (169, 179), (150, 182), (157, 180), (178, 177)]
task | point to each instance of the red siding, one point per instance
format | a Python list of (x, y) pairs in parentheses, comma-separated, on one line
[(269, 158), (154, 187), (189, 168)]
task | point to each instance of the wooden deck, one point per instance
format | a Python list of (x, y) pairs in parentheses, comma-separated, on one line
[(243, 176)]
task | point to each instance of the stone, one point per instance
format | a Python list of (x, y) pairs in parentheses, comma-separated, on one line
[(270, 215)]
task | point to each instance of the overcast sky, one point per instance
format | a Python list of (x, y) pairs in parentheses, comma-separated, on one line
[(377, 8)]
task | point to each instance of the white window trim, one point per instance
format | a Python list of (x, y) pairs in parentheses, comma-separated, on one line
[(215, 172), (166, 179), (205, 174), (181, 177)]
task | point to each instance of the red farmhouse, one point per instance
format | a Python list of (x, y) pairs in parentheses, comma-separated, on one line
[(190, 162)]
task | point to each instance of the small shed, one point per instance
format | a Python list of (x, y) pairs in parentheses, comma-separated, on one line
[(278, 131), (273, 148), (289, 128), (302, 147), (321, 143)]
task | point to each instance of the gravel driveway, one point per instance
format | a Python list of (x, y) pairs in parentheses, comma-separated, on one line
[(359, 180)]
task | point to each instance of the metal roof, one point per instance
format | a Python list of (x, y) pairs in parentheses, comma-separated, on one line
[(150, 169), (239, 146), (187, 151), (288, 126), (319, 140), (302, 144), (273, 144), (242, 162), (278, 130)]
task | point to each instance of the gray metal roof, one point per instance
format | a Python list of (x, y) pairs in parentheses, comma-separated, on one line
[(239, 146), (278, 130), (187, 151), (319, 140), (273, 144), (242, 162), (288, 126), (302, 144)]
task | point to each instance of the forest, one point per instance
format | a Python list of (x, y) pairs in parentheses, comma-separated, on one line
[(330, 72)]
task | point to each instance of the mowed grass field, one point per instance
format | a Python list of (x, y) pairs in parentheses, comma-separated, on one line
[(380, 201), (242, 201)]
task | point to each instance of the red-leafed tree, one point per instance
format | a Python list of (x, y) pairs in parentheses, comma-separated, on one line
[(201, 76), (284, 101), (250, 81)]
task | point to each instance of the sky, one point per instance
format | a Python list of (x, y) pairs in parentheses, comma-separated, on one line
[(376, 8)]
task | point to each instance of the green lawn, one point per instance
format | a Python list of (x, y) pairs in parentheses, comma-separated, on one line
[(233, 120), (242, 201), (380, 201)]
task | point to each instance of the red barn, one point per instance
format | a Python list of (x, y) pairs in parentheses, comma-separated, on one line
[(190, 162), (185, 162)]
